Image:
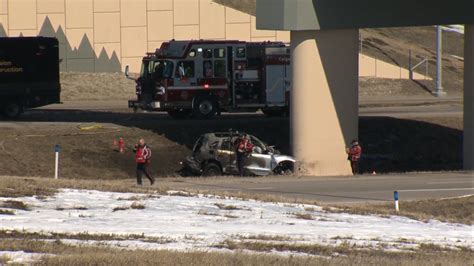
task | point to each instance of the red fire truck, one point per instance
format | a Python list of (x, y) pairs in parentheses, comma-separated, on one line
[(203, 78)]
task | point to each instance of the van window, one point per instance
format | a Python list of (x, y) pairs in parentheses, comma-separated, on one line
[(219, 69), (219, 53)]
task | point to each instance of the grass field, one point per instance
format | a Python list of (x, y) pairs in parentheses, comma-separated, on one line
[(66, 254)]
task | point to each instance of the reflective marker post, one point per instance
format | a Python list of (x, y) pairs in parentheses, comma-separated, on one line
[(395, 197), (57, 149)]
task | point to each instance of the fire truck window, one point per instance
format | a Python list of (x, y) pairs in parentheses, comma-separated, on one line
[(219, 69), (240, 52), (219, 53), (207, 53), (185, 69), (192, 53), (207, 66)]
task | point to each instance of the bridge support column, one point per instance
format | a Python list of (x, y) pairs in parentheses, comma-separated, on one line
[(324, 100), (468, 156)]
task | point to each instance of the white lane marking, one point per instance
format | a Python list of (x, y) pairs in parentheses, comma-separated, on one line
[(435, 189), (452, 182)]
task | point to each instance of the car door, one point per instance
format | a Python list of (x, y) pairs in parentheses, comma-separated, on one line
[(259, 161), (226, 156)]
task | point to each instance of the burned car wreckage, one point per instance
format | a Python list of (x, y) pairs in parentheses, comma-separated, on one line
[(214, 154)]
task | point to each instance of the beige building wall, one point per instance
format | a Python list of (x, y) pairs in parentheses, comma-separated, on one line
[(106, 35)]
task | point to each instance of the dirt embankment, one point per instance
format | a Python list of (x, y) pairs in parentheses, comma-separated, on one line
[(96, 87), (390, 145)]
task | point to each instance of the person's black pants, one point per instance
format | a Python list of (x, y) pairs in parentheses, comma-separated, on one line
[(142, 168), (241, 163), (355, 167)]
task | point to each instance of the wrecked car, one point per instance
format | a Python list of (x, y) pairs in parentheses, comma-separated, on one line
[(214, 154)]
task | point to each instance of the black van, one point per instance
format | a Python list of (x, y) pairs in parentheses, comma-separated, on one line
[(29, 73)]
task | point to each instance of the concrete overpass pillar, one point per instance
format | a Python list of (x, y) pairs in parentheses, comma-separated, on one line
[(468, 97), (324, 100)]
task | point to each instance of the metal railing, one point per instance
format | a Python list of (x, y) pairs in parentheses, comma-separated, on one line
[(412, 68)]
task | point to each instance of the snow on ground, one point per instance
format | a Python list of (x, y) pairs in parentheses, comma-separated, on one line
[(196, 223), (20, 257)]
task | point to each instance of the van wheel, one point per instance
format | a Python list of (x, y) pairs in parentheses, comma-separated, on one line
[(12, 110), (179, 113), (212, 169), (205, 107)]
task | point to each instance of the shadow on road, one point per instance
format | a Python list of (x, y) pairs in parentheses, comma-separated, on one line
[(389, 144)]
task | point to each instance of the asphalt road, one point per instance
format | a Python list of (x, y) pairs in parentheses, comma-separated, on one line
[(366, 188)]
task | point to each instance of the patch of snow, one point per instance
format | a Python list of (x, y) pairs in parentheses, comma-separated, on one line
[(197, 223), (21, 257)]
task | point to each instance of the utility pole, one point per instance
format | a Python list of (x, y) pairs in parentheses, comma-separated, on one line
[(439, 92)]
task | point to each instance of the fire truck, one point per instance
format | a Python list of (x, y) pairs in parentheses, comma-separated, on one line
[(202, 78)]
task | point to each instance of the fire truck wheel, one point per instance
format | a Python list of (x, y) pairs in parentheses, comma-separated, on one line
[(179, 113), (205, 107), (12, 110)]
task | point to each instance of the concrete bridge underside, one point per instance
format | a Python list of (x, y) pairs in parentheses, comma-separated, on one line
[(324, 96)]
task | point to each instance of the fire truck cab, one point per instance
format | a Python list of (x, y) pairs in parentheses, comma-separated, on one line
[(203, 78)]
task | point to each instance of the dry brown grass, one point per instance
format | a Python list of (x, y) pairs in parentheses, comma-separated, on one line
[(137, 206), (456, 210), (265, 237), (41, 187), (303, 216), (90, 86), (100, 255), (429, 255), (14, 234), (93, 255), (6, 212), (227, 207), (14, 204)]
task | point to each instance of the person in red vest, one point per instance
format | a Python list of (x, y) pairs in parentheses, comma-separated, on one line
[(142, 158), (354, 153), (243, 149)]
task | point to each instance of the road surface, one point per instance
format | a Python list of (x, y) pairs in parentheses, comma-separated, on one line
[(366, 188)]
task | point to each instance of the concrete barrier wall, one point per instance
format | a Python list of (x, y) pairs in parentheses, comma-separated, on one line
[(106, 35)]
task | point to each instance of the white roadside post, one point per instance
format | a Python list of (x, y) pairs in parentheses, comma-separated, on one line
[(57, 149), (395, 197)]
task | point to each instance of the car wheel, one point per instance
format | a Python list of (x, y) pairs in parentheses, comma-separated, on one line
[(284, 168), (12, 110), (179, 113), (212, 169), (205, 107)]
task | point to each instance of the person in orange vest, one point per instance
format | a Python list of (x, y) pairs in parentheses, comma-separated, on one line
[(354, 153), (243, 149), (142, 158)]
